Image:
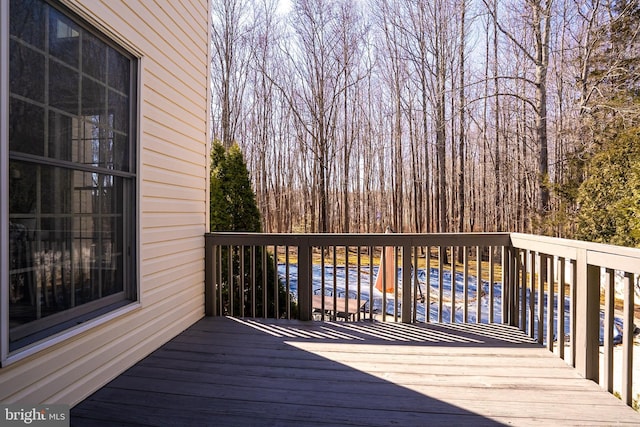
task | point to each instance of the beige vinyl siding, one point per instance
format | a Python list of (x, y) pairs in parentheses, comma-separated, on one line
[(172, 40)]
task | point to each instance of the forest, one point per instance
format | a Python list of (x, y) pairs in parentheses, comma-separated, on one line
[(434, 115)]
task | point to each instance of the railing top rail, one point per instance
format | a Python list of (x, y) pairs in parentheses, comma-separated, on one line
[(361, 239), (603, 255), (609, 256)]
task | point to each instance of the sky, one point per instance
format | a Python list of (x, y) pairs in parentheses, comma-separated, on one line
[(284, 6)]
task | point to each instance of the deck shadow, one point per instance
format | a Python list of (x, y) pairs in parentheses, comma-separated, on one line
[(241, 372)]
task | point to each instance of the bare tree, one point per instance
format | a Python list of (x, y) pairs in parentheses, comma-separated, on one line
[(230, 32), (395, 80), (462, 117), (316, 88), (537, 23), (347, 125)]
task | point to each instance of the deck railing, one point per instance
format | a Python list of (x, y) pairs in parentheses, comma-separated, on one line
[(561, 292), (576, 283)]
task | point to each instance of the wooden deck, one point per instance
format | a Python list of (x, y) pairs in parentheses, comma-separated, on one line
[(239, 372)]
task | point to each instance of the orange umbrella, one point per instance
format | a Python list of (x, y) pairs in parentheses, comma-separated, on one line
[(387, 269)]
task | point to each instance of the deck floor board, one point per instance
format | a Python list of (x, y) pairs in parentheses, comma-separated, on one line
[(242, 372)]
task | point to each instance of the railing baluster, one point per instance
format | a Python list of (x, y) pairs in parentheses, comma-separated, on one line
[(427, 308), (572, 311), (522, 279), (465, 280), (507, 285), (550, 302), (253, 281), (491, 290), (532, 293), (415, 292), (478, 285), (561, 309), (396, 290), (334, 291), (276, 285), (406, 285), (609, 306), (265, 275), (231, 280), (452, 260), (383, 270), (323, 283), (513, 286), (287, 281), (627, 338), (517, 291), (371, 283), (241, 281), (346, 280), (440, 283), (504, 295), (542, 267), (218, 285), (359, 280)]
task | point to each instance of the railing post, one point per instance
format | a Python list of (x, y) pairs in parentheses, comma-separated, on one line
[(209, 278), (587, 317), (304, 281), (406, 284)]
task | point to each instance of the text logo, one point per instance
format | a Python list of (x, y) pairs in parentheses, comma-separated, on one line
[(34, 415)]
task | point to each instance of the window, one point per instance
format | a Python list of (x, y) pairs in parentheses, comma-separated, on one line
[(71, 174)]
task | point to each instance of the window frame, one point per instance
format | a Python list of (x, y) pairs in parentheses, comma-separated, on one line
[(79, 319)]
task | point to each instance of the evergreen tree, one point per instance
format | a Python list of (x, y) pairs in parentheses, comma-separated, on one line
[(233, 202), (610, 106), (609, 199), (233, 207)]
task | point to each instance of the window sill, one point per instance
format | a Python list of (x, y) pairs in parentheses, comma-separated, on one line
[(65, 335)]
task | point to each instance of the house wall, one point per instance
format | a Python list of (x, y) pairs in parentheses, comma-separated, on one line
[(172, 40)]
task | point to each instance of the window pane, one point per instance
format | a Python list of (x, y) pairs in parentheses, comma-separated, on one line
[(62, 129), (23, 185), (54, 197), (120, 152), (64, 38), (118, 71), (119, 110), (26, 127), (94, 57), (27, 21), (64, 87), (94, 98), (26, 72), (69, 252), (96, 143)]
